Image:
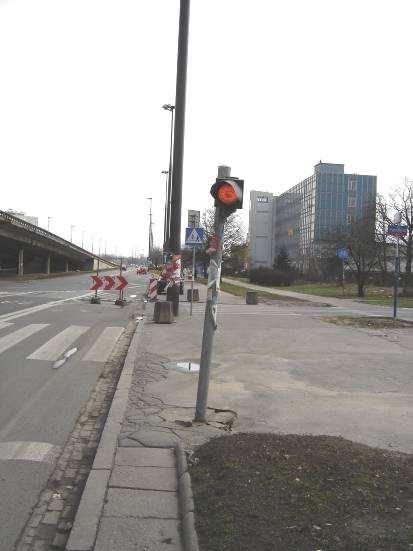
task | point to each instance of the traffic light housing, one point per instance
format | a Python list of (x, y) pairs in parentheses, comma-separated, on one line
[(228, 193)]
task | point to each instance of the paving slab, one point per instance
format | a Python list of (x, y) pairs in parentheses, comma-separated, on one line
[(144, 478), (138, 535), (145, 457), (124, 503)]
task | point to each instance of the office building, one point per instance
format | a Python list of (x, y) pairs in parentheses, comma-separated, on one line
[(327, 200), (298, 219)]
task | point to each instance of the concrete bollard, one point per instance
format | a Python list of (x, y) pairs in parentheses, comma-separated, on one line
[(162, 312), (195, 297), (251, 297)]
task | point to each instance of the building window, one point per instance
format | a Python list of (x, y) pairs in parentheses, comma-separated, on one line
[(351, 218), (352, 185), (262, 199), (352, 202)]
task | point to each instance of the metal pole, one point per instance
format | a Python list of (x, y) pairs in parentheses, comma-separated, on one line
[(343, 276), (210, 320), (192, 280), (179, 129), (396, 280), (168, 200)]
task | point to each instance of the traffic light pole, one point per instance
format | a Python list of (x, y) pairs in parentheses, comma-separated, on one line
[(210, 319)]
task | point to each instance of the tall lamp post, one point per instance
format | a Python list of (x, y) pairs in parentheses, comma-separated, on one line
[(71, 233), (150, 241), (165, 220), (170, 108)]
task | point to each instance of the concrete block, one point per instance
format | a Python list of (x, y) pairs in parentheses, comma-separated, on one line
[(194, 295), (163, 312), (251, 297), (123, 502), (86, 523), (138, 535), (145, 457), (144, 478)]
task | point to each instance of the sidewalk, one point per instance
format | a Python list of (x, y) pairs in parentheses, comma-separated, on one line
[(276, 368), (350, 305)]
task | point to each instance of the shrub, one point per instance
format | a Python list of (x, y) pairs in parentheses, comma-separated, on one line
[(269, 276)]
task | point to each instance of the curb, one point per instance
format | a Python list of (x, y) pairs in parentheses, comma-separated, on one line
[(85, 527), (186, 501)]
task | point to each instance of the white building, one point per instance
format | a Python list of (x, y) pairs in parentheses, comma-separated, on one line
[(261, 228)]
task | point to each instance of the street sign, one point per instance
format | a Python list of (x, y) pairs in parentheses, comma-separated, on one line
[(194, 218), (122, 283), (97, 283), (397, 230), (343, 254), (106, 283), (194, 237), (109, 283)]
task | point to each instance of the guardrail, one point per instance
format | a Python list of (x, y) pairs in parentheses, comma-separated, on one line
[(15, 221)]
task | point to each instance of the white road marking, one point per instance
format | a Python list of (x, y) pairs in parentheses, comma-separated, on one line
[(102, 348), (4, 324), (38, 308), (56, 346), (28, 451), (13, 338)]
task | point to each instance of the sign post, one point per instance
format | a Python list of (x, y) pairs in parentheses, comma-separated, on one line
[(396, 230), (194, 237)]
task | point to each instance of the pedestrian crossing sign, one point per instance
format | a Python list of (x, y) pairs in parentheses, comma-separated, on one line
[(194, 237)]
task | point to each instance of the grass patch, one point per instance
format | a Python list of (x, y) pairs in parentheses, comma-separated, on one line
[(369, 322), (382, 296), (300, 493), (240, 291)]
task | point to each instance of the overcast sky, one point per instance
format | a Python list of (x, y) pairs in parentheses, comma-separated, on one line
[(273, 87)]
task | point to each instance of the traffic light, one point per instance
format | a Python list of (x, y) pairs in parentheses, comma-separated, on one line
[(228, 193)]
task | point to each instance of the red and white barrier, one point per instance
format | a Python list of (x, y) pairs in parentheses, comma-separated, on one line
[(153, 290)]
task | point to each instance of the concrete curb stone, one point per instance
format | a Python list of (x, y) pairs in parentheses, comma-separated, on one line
[(186, 501), (83, 534)]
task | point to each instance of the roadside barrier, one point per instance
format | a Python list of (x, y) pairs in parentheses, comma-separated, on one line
[(153, 289)]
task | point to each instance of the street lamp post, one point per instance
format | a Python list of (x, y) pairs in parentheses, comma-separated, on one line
[(71, 233), (170, 108), (83, 236), (165, 220), (150, 243)]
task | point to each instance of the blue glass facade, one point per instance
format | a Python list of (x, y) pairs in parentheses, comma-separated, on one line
[(318, 205)]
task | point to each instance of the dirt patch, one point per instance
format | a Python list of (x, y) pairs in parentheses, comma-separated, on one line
[(301, 493), (369, 322)]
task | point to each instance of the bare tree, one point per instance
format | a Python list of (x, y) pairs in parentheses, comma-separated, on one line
[(359, 238), (156, 256), (383, 219), (234, 233), (402, 201)]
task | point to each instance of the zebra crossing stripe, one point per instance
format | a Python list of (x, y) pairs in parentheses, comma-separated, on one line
[(11, 339), (56, 346), (103, 346), (28, 451)]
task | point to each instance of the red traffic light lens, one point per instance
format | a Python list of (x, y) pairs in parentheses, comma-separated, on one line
[(227, 194)]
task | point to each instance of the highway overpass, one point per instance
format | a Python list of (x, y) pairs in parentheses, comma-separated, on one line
[(29, 249)]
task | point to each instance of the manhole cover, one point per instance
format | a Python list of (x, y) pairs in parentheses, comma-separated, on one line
[(184, 367)]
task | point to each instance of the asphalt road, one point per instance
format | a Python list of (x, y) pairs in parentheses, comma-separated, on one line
[(40, 321)]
